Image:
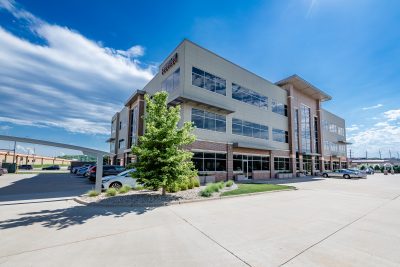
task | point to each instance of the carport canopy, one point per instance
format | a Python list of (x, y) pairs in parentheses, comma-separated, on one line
[(86, 151)]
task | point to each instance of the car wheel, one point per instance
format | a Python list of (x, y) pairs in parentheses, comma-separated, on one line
[(346, 176), (325, 175), (116, 185)]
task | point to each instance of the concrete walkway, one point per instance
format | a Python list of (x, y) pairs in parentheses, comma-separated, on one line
[(328, 222)]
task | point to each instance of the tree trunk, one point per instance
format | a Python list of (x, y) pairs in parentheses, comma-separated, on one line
[(163, 191)]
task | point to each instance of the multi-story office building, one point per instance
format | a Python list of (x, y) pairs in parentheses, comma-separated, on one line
[(245, 124)]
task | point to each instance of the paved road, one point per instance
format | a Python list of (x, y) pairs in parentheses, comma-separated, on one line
[(23, 187), (327, 222)]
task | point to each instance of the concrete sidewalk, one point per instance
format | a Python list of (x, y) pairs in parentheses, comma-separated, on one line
[(329, 222)]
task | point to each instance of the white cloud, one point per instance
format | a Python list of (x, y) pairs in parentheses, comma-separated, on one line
[(24, 149), (382, 136), (5, 127), (373, 107), (352, 128), (69, 81), (392, 115)]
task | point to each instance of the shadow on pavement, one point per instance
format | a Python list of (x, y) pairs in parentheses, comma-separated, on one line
[(66, 217), (43, 185)]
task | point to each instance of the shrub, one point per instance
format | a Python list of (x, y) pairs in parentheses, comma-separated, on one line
[(124, 189), (183, 186), (190, 184), (172, 188), (206, 193), (196, 182), (138, 187), (229, 183), (111, 192), (211, 188), (93, 193)]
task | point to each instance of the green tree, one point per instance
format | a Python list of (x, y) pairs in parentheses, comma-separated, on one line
[(162, 161)]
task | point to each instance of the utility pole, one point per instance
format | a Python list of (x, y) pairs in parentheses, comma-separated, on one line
[(15, 146), (366, 154), (390, 154), (380, 154), (350, 153)]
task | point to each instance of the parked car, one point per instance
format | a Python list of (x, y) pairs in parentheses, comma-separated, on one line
[(116, 181), (25, 167), (82, 171), (75, 169), (3, 171), (370, 171), (347, 174), (51, 168), (107, 171)]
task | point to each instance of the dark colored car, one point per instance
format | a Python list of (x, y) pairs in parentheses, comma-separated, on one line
[(107, 170), (51, 168), (25, 167), (3, 171)]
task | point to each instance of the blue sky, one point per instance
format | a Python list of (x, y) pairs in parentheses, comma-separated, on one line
[(66, 67)]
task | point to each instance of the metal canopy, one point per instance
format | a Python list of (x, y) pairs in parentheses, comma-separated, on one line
[(87, 151), (305, 87)]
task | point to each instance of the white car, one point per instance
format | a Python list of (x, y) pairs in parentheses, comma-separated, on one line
[(116, 181)]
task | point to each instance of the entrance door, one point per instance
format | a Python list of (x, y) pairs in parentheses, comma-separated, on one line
[(247, 172)]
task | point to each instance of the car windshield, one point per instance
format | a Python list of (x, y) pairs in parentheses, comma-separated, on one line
[(124, 173)]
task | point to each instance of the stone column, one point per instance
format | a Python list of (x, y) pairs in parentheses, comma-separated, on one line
[(229, 161), (272, 167), (312, 165)]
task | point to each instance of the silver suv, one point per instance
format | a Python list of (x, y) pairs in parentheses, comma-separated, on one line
[(347, 174)]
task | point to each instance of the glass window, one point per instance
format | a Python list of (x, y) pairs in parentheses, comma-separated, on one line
[(280, 136), (279, 108), (171, 82), (208, 81), (248, 96), (305, 129), (204, 161), (281, 164), (134, 125), (250, 129), (254, 163), (208, 120)]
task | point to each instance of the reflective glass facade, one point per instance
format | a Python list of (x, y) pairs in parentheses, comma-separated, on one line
[(280, 136), (249, 129), (208, 81), (207, 120), (249, 96), (305, 129), (205, 161)]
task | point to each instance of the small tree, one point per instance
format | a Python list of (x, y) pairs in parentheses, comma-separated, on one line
[(162, 160)]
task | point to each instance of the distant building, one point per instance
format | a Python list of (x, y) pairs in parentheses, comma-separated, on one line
[(245, 124), (29, 159)]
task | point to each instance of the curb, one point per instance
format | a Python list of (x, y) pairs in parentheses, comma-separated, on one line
[(143, 205)]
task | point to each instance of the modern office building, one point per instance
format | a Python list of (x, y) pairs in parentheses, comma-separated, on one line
[(246, 126)]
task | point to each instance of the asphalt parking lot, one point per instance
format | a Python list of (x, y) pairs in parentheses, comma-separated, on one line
[(28, 187), (327, 222)]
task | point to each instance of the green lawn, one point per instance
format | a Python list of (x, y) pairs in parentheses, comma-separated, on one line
[(253, 188)]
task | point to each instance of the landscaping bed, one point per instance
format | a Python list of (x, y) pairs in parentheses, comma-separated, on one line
[(145, 197)]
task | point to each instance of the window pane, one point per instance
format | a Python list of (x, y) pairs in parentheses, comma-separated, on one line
[(257, 165), (237, 165), (247, 131), (198, 164), (209, 164), (221, 165), (209, 85), (198, 121), (220, 156), (198, 71), (236, 129), (197, 112), (220, 88), (209, 155), (209, 124), (197, 80), (220, 126)]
